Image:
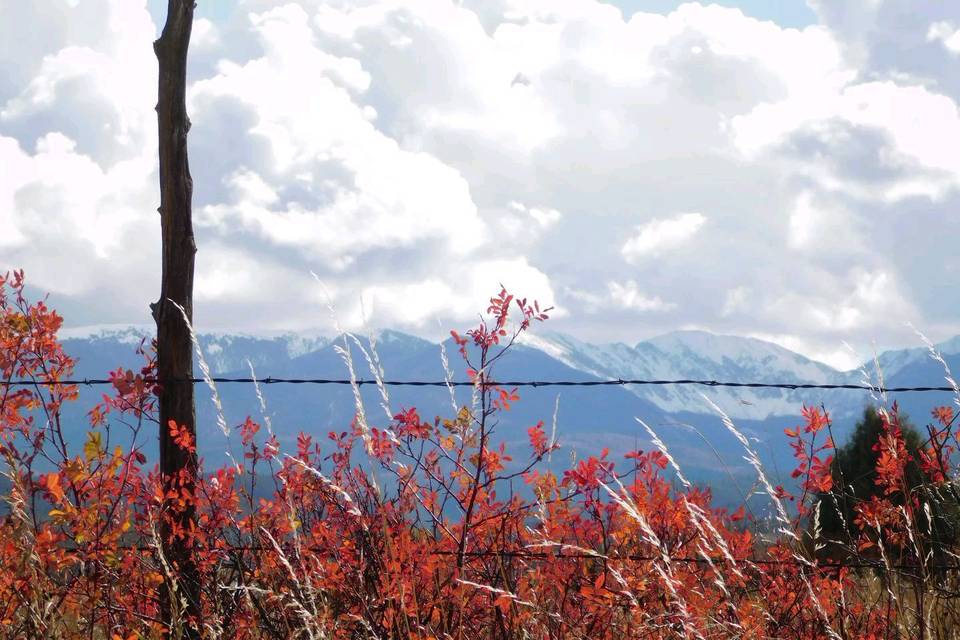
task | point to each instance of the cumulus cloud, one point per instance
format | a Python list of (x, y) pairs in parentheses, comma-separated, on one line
[(625, 296), (662, 234), (697, 167), (628, 295), (420, 303), (545, 218), (358, 191), (736, 301), (945, 33), (77, 146), (890, 39), (899, 119)]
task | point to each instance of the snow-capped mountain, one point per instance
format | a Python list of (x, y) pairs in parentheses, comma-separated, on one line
[(588, 419), (223, 352), (124, 334), (699, 355), (896, 361)]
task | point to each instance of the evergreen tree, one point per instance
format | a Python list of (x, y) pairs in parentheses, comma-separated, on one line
[(855, 480)]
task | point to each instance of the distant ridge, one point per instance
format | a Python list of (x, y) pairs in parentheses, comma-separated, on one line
[(676, 355), (589, 418)]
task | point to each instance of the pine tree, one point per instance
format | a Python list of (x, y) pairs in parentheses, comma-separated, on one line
[(855, 475)]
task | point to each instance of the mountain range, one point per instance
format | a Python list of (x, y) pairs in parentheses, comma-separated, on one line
[(587, 418)]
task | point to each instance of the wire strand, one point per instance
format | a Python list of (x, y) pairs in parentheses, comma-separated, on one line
[(543, 555), (504, 383)]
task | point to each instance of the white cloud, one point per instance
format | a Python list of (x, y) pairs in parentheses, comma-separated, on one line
[(628, 295), (947, 34), (205, 36), (59, 204), (840, 358), (863, 301), (391, 197), (544, 217), (456, 293), (624, 296), (77, 147), (820, 225), (417, 152), (903, 113), (661, 235), (736, 301)]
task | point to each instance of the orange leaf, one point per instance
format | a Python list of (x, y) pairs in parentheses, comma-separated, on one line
[(54, 487)]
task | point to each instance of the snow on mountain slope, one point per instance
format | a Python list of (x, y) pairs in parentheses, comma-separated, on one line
[(122, 334), (700, 355), (223, 351), (226, 352), (695, 355), (895, 361), (743, 355)]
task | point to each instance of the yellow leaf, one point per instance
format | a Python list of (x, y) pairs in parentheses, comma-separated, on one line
[(93, 446), (76, 470)]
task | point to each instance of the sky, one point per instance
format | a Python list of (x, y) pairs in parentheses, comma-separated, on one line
[(784, 170)]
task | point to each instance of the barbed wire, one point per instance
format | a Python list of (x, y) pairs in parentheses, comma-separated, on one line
[(560, 555), (790, 386)]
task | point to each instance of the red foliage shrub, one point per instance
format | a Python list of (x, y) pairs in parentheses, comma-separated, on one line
[(421, 532)]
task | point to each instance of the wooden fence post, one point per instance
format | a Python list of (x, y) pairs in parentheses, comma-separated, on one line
[(180, 601)]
